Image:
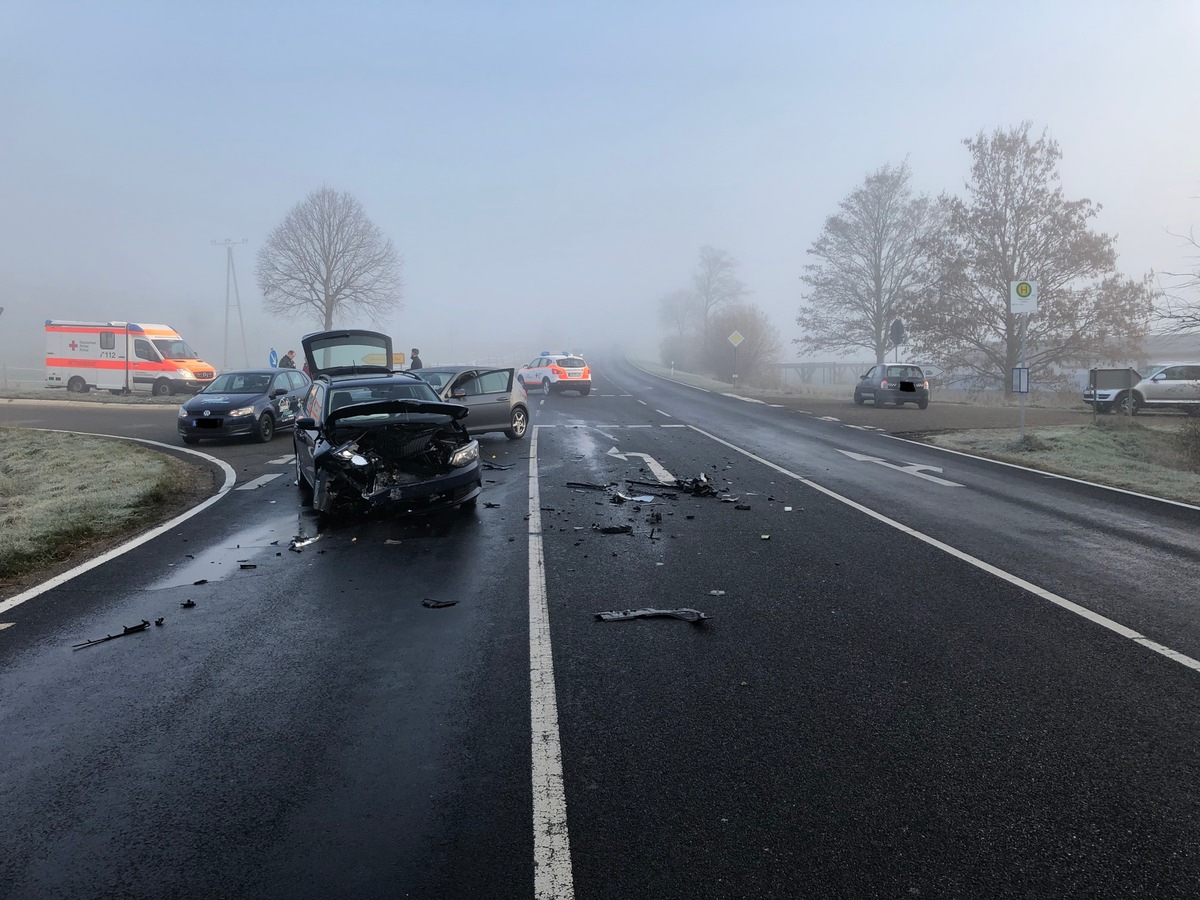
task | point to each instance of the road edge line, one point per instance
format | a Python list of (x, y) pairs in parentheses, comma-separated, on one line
[(552, 874)]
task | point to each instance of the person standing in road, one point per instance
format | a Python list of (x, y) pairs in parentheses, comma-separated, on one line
[(288, 361), (415, 360)]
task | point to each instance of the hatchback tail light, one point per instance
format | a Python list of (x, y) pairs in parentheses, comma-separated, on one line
[(883, 384), (555, 370)]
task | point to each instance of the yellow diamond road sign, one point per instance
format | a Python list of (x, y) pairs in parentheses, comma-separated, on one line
[(1022, 297), (736, 338)]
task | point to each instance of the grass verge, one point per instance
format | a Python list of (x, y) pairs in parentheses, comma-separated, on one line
[(1160, 458), (64, 497)]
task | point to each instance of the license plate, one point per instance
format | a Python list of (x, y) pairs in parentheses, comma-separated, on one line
[(573, 374)]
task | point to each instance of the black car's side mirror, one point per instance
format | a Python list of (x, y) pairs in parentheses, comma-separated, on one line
[(278, 392), (308, 423)]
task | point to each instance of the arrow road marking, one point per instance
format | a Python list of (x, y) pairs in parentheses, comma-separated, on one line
[(660, 473), (283, 460), (911, 468), (259, 482)]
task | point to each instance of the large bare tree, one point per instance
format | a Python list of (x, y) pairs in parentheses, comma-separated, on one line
[(326, 260), (1179, 308), (1015, 223), (874, 263), (715, 285)]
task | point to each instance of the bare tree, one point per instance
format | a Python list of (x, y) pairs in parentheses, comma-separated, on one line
[(1015, 223), (759, 348), (678, 311), (716, 284), (1179, 313), (874, 264), (328, 259)]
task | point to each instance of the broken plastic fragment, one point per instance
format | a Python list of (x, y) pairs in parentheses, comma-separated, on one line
[(766, 537), (488, 505), (430, 603), (496, 466), (742, 506), (247, 566), (716, 593), (188, 603), (685, 613), (616, 529)]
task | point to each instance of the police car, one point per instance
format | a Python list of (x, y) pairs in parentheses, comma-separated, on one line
[(555, 372)]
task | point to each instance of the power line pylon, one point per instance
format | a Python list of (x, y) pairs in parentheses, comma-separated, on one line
[(231, 279)]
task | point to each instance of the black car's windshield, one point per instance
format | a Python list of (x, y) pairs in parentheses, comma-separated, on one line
[(239, 383)]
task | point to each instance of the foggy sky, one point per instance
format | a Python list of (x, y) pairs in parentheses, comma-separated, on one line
[(547, 171)]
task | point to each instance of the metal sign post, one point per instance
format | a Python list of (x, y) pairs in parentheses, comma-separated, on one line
[(1022, 301), (735, 339)]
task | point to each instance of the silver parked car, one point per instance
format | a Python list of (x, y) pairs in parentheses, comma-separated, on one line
[(1169, 386), (497, 401)]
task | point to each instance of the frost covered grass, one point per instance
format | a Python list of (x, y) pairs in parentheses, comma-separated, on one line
[(62, 493), (1160, 457)]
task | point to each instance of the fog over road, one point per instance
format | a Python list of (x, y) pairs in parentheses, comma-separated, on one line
[(928, 675)]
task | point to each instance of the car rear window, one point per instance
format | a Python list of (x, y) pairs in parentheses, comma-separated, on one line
[(904, 372), (571, 362)]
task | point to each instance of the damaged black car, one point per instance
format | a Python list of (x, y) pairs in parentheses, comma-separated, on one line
[(370, 437)]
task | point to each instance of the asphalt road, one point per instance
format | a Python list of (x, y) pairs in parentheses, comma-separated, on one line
[(928, 676)]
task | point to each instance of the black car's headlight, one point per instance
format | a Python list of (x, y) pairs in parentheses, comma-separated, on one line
[(346, 452), (465, 455), (183, 413), (241, 411)]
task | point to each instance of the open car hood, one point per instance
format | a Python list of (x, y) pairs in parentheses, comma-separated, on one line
[(352, 351), (392, 407)]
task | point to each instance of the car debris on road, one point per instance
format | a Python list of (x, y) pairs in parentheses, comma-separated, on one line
[(430, 603), (685, 613), (125, 632)]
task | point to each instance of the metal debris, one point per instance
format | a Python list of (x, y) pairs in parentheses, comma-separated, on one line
[(587, 485), (128, 629), (615, 529), (488, 505), (430, 603), (496, 466), (188, 603), (716, 593), (247, 566), (159, 620), (685, 613), (742, 506)]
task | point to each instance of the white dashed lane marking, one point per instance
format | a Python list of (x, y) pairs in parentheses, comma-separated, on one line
[(259, 482)]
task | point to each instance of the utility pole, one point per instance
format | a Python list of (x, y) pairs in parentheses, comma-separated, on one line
[(231, 279)]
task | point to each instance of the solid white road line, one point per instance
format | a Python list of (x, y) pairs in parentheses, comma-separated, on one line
[(258, 482), (740, 397), (4, 625), (1070, 606), (552, 875), (230, 478)]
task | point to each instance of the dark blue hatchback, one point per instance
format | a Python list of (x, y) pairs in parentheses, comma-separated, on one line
[(245, 402)]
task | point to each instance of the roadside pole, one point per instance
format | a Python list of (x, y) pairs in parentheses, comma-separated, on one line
[(735, 339), (1022, 301)]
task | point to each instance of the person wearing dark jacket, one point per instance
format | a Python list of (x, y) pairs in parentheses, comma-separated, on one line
[(415, 360), (288, 361)]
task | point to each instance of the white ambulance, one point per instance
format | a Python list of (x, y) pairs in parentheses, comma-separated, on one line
[(122, 357)]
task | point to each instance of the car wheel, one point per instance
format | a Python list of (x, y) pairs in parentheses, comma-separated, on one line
[(266, 429), (583, 392), (922, 404), (77, 385), (1127, 404), (162, 388), (546, 386), (859, 400), (879, 401), (519, 424), (188, 439)]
